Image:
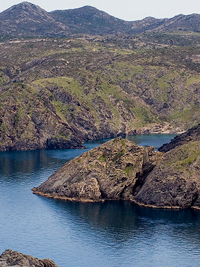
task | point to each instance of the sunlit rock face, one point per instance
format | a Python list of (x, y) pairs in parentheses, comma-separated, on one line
[(113, 171)]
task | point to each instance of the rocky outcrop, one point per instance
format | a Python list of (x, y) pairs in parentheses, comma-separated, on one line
[(113, 171), (192, 134), (16, 259), (175, 181), (121, 170)]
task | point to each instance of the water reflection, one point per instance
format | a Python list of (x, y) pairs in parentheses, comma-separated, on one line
[(120, 221)]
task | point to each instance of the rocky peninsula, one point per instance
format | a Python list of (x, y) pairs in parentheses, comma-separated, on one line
[(122, 170), (15, 259), (112, 171)]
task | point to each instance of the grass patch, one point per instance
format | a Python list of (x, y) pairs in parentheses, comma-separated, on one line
[(102, 158), (129, 169)]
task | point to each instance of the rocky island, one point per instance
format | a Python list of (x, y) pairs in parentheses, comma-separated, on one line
[(122, 170), (16, 259)]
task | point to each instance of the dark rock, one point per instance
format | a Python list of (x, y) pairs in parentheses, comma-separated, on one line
[(192, 134), (16, 259), (175, 181)]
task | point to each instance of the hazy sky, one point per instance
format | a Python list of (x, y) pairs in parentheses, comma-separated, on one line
[(123, 9)]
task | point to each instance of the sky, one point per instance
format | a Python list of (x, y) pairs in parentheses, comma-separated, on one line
[(124, 9)]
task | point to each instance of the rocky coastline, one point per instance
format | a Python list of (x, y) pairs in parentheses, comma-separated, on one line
[(122, 170)]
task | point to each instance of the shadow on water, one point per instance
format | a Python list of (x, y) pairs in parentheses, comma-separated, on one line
[(120, 220)]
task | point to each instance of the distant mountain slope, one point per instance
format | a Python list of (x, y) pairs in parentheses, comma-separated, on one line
[(28, 20), (90, 20), (180, 23)]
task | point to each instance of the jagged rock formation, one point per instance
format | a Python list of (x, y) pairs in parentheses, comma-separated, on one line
[(115, 170), (192, 134), (175, 181), (11, 258)]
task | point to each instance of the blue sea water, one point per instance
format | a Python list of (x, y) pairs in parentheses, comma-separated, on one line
[(109, 234)]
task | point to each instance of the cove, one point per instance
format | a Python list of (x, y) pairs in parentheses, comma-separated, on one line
[(89, 234)]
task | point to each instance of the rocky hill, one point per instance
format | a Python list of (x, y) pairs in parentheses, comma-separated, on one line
[(175, 181), (14, 258), (89, 20), (113, 171), (28, 20), (121, 170), (192, 134)]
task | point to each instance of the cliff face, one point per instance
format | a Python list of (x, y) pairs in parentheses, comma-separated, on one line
[(14, 258), (175, 181), (115, 170), (192, 134)]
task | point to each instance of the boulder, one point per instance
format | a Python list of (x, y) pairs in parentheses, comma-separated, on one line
[(13, 258)]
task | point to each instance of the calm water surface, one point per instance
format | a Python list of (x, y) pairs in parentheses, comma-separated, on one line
[(77, 234)]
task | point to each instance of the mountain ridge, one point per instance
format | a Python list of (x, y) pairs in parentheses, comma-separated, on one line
[(29, 20)]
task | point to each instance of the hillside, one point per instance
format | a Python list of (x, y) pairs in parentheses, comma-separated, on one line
[(59, 89), (29, 20), (89, 20), (59, 92)]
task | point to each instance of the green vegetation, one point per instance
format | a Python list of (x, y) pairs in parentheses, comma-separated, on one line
[(102, 158), (96, 87), (129, 169), (185, 155), (119, 155)]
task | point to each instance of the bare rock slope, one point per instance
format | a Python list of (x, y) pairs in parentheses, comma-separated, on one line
[(175, 181), (192, 134), (16, 259), (113, 171)]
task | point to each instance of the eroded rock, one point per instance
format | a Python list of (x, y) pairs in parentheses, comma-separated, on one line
[(112, 171), (15, 259), (192, 134), (175, 181)]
